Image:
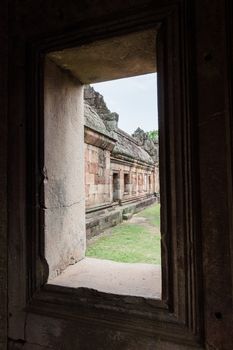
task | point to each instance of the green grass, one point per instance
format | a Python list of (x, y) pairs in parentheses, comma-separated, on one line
[(152, 213), (130, 242)]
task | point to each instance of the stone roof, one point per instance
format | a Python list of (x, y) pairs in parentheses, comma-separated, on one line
[(151, 146), (93, 121), (128, 147), (99, 118)]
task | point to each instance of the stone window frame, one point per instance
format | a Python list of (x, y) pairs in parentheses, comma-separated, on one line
[(177, 316), (134, 182), (149, 181), (140, 186), (145, 182), (126, 175), (115, 173)]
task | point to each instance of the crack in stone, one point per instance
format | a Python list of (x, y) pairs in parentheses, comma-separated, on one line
[(63, 205)]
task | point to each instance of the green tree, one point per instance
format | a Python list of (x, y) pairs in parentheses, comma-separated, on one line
[(153, 135)]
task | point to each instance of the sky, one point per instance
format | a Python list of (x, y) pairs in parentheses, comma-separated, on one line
[(134, 99)]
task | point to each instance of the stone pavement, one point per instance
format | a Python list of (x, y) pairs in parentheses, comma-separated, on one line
[(113, 277)]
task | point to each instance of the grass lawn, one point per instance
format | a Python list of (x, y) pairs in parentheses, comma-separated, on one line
[(133, 241), (152, 213)]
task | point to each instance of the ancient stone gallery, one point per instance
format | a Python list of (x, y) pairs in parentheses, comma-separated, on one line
[(121, 171)]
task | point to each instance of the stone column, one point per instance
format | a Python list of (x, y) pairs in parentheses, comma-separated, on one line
[(64, 188)]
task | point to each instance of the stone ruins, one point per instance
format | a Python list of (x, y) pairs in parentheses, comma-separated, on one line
[(121, 171)]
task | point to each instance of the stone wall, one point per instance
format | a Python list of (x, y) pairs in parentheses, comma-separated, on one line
[(109, 180), (117, 167), (99, 221), (97, 176), (138, 184)]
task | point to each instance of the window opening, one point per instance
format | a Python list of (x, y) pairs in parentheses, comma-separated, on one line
[(149, 183), (116, 187), (118, 190), (145, 183), (126, 183)]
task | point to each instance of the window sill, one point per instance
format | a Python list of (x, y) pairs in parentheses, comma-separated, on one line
[(139, 280)]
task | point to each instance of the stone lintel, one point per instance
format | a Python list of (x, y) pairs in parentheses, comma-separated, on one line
[(113, 58)]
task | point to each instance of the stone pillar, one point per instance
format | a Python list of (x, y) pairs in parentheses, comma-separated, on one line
[(64, 189)]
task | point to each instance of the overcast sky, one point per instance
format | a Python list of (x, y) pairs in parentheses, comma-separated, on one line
[(134, 99)]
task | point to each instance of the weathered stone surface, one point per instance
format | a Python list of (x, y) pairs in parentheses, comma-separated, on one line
[(96, 104), (64, 209), (150, 146), (127, 147), (101, 119), (209, 61), (97, 175), (100, 220), (135, 279), (112, 156), (98, 139), (93, 120), (98, 61), (95, 226), (127, 216)]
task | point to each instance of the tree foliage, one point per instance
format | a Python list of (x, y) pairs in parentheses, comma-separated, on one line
[(153, 135)]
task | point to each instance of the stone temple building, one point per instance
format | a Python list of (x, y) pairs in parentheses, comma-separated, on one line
[(121, 171), (195, 97)]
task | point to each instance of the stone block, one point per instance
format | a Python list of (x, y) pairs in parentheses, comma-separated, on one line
[(127, 216)]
